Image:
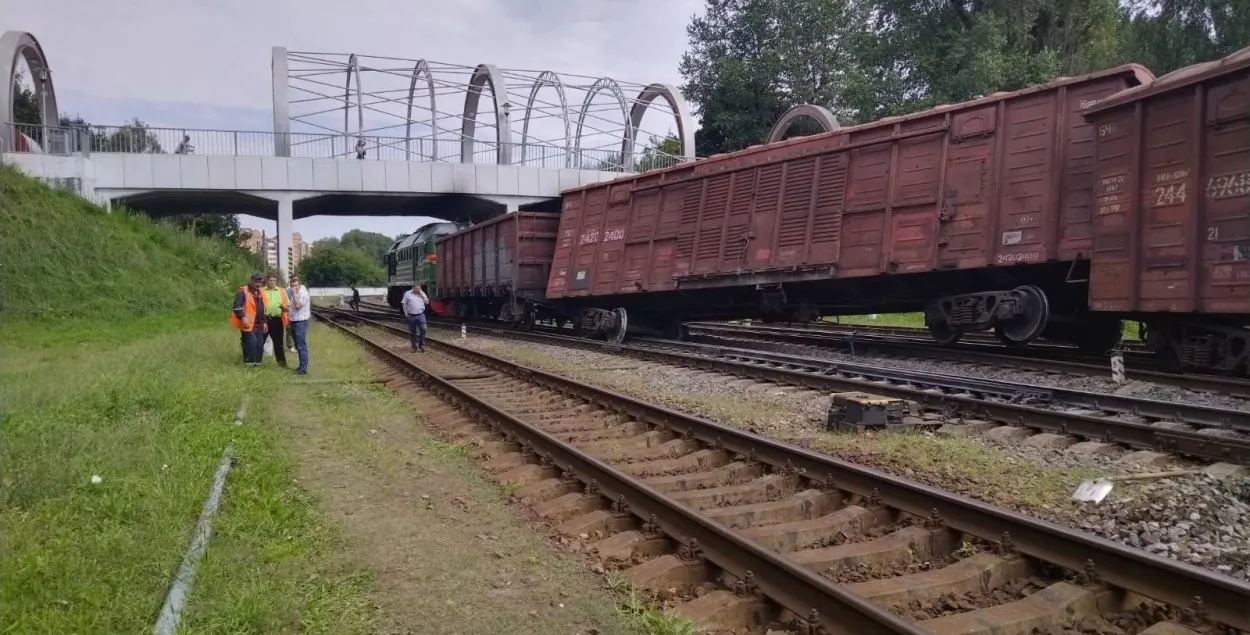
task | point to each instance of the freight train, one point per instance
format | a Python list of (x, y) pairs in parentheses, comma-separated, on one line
[(1055, 211)]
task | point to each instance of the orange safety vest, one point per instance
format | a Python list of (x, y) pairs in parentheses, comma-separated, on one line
[(250, 309)]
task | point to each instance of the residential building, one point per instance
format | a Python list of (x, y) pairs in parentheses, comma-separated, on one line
[(257, 242)]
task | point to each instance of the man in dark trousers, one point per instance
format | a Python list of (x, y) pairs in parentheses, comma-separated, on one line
[(355, 303), (248, 317)]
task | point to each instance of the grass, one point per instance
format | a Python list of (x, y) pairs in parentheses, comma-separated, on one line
[(916, 320), (63, 259), (150, 416), (450, 554)]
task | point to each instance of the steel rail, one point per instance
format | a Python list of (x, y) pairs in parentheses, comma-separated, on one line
[(1032, 359), (831, 376), (1225, 599), (1224, 418), (790, 585)]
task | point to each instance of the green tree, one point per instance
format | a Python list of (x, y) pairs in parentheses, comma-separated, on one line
[(373, 244), (1165, 35), (336, 266), (914, 55), (659, 153), (25, 103), (751, 60)]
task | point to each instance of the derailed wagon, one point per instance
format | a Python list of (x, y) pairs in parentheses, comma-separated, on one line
[(1172, 216), (499, 269), (979, 214)]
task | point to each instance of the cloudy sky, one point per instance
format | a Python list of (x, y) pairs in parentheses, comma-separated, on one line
[(206, 63)]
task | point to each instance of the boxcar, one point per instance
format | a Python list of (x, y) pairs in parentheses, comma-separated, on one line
[(499, 269), (411, 260), (1172, 221), (977, 213)]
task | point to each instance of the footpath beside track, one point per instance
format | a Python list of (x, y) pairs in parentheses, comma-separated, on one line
[(769, 526)]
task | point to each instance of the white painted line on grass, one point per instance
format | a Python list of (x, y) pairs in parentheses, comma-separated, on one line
[(171, 612)]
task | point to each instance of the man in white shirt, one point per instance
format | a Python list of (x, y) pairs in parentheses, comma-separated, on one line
[(414, 310), (301, 310)]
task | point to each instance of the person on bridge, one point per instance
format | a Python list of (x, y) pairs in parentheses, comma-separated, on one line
[(360, 148), (301, 311), (276, 315), (185, 147), (355, 303), (414, 303), (248, 318)]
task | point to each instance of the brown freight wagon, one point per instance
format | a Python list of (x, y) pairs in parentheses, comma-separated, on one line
[(1172, 215), (979, 213), (497, 269)]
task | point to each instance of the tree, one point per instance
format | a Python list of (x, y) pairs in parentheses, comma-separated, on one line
[(914, 55), (26, 108), (751, 60), (223, 226), (336, 266), (659, 153), (1165, 35), (372, 243)]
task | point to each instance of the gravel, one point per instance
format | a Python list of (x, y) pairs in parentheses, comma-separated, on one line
[(1197, 520)]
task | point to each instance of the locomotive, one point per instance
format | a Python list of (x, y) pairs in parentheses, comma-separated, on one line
[(412, 259)]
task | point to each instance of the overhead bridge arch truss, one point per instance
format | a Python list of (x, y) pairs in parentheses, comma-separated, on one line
[(416, 109)]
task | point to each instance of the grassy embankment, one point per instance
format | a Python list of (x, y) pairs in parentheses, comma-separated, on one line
[(116, 364)]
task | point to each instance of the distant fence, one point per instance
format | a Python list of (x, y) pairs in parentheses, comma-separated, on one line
[(332, 292)]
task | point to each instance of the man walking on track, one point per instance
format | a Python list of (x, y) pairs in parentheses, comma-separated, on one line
[(301, 310), (414, 310), (355, 303), (248, 317), (276, 309)]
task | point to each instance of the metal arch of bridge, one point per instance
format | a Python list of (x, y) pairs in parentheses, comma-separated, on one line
[(546, 78), (487, 74), (422, 67), (15, 45), (423, 71), (681, 112), (819, 114), (610, 85)]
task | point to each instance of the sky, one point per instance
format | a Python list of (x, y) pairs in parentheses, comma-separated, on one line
[(206, 64)]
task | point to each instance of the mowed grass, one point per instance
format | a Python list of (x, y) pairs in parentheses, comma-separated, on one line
[(149, 407)]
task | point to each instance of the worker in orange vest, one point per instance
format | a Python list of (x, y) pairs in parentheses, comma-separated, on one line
[(277, 314), (249, 317)]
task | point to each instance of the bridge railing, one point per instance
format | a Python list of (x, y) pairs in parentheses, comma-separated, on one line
[(87, 139)]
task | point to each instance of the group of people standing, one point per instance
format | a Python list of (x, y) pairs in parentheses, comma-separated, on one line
[(262, 309)]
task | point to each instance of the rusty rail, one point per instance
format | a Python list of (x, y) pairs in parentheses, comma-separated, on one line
[(1166, 580), (786, 583)]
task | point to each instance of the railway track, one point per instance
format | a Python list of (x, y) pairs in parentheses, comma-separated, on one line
[(895, 343), (1212, 434), (746, 532)]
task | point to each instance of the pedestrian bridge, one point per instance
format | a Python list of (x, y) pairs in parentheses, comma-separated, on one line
[(315, 163)]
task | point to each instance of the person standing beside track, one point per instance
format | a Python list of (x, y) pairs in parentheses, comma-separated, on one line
[(301, 311), (276, 315), (248, 318), (414, 303)]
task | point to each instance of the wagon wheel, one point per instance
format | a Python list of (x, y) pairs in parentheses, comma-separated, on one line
[(943, 334), (1028, 326), (622, 325)]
